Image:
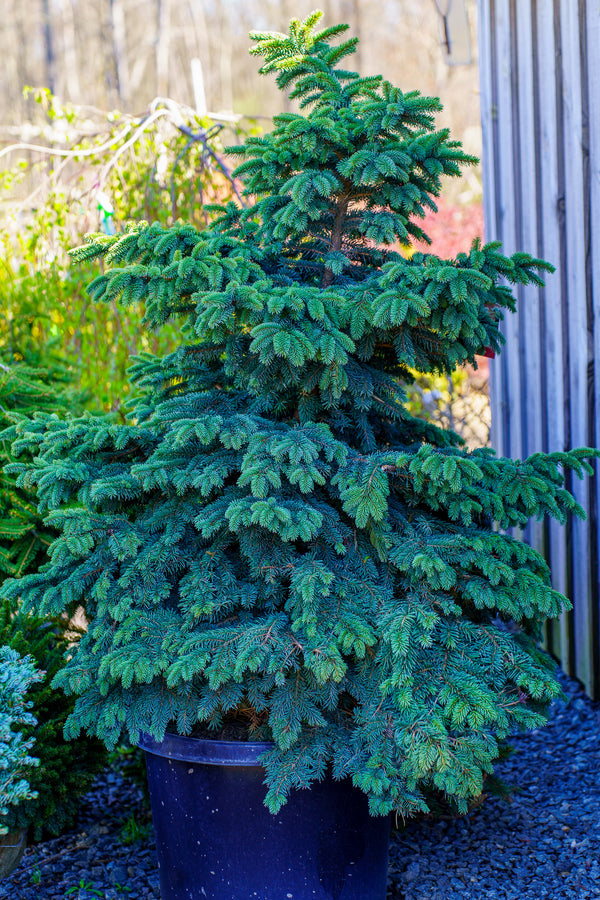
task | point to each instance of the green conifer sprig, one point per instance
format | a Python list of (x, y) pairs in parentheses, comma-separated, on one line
[(275, 538)]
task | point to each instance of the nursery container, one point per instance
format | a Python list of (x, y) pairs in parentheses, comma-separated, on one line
[(12, 848), (215, 839)]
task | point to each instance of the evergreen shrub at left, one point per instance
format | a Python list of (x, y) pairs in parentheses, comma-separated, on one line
[(273, 540), (66, 768), (24, 538)]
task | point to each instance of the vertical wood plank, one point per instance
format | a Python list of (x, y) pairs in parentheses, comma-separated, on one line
[(528, 231), (489, 125), (576, 300), (486, 88), (507, 221), (527, 211), (550, 249), (593, 80)]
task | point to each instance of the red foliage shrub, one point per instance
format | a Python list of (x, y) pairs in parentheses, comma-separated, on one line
[(452, 230)]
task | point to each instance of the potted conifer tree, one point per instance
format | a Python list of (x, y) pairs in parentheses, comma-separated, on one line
[(281, 566)]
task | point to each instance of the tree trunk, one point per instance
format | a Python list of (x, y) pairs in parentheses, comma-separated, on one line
[(22, 64), (49, 51), (119, 42), (70, 45), (200, 49), (225, 59), (162, 48)]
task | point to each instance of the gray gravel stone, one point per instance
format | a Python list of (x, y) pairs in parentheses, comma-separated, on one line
[(544, 843)]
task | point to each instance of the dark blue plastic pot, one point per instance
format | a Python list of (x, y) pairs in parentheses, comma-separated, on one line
[(215, 840)]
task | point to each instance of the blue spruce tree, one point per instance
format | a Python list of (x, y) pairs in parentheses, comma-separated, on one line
[(274, 540)]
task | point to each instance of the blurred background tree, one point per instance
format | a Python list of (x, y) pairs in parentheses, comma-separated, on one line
[(123, 53), (108, 170), (85, 57)]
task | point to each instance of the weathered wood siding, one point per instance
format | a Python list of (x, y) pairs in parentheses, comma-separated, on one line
[(540, 99)]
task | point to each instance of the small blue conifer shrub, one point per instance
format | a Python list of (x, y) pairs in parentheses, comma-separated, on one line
[(274, 539), (17, 674)]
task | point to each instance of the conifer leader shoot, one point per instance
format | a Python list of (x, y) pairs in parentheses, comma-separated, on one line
[(274, 538)]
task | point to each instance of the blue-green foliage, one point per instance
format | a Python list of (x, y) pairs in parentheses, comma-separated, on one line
[(16, 676), (274, 536)]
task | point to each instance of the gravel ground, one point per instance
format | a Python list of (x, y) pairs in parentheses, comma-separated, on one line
[(95, 861), (544, 843)]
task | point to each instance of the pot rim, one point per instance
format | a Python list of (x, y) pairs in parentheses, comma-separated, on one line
[(19, 836), (206, 751)]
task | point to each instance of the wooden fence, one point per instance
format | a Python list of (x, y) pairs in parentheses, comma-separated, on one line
[(540, 96)]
